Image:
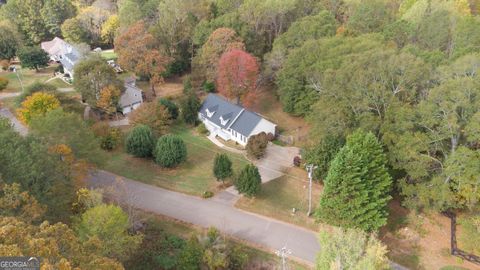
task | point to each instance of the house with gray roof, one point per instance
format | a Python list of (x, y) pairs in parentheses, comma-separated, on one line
[(132, 98), (63, 52), (232, 122)]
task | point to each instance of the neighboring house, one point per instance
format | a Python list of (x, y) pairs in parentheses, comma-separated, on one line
[(232, 122), (132, 98), (63, 52)]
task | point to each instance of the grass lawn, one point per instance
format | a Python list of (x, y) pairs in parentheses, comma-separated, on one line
[(109, 55), (192, 177), (27, 76), (258, 258), (279, 196)]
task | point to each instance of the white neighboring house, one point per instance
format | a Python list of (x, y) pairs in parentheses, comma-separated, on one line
[(63, 52), (132, 98), (232, 122)]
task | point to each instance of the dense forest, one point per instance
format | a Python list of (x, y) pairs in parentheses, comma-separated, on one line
[(387, 85)]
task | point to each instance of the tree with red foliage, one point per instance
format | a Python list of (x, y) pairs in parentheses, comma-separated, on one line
[(137, 51), (237, 75)]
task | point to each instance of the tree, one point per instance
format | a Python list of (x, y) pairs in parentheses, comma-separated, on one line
[(59, 127), (222, 167), (37, 105), (54, 13), (8, 43), (351, 249), (109, 29), (29, 162), (248, 181), (108, 224), (221, 40), (471, 234), (33, 57), (108, 99), (152, 114), (257, 145), (140, 141), (60, 248), (91, 76), (86, 199), (137, 51), (191, 256), (322, 154), (189, 107), (237, 75), (20, 204), (91, 19), (171, 107), (357, 186), (368, 16), (74, 32), (25, 14), (170, 151), (33, 88)]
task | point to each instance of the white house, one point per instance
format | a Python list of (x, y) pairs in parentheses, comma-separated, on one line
[(132, 98), (63, 52), (232, 122)]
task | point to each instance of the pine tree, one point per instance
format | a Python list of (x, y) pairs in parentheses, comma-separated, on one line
[(357, 186), (170, 151), (140, 141), (222, 167), (249, 181)]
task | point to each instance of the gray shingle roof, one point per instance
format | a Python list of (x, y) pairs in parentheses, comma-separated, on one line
[(244, 121), (131, 96)]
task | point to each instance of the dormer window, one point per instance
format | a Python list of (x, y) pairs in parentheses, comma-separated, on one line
[(209, 113), (223, 121)]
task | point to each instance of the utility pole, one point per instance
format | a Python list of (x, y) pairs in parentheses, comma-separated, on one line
[(310, 168), (20, 80), (283, 253)]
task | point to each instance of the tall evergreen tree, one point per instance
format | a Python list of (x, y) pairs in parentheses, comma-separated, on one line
[(357, 186), (249, 181), (140, 142), (222, 167)]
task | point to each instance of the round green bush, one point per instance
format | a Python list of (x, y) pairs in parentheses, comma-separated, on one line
[(140, 141), (170, 151)]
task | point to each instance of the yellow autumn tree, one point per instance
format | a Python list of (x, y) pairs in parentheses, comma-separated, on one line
[(108, 99), (36, 105)]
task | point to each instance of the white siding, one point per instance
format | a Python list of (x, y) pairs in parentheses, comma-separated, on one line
[(263, 126)]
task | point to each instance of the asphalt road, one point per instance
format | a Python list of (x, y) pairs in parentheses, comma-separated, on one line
[(262, 231)]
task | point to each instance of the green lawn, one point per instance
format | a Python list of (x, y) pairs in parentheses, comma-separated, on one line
[(109, 55), (27, 77), (278, 197), (192, 177)]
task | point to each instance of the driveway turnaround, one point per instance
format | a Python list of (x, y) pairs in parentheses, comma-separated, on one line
[(259, 230)]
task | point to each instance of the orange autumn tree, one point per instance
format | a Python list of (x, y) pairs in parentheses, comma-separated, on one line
[(137, 51), (220, 41), (108, 99), (36, 105), (237, 75)]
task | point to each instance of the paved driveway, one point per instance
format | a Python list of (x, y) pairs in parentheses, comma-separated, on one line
[(262, 231), (276, 161), (17, 125)]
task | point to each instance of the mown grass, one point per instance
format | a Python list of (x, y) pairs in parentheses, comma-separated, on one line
[(27, 77), (278, 197), (192, 177)]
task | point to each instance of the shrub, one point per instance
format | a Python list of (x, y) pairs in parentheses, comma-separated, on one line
[(109, 137), (249, 181), (257, 145), (270, 137), (171, 107), (187, 85), (207, 194), (37, 105), (202, 129), (470, 235), (140, 141), (208, 87), (3, 83), (170, 151), (153, 115), (297, 161)]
